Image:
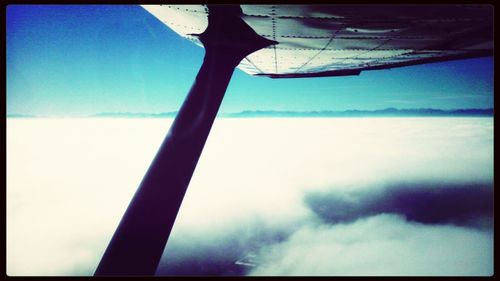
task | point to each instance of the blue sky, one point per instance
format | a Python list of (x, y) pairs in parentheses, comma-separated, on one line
[(72, 60)]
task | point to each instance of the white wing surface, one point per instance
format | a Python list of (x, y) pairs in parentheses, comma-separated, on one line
[(334, 40)]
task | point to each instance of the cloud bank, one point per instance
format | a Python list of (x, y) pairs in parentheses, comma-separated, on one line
[(396, 196), (419, 229), (381, 245), (439, 203)]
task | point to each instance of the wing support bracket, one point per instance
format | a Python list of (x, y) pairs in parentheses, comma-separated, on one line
[(139, 241)]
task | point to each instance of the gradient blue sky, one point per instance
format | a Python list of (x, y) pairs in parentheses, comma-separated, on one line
[(72, 60)]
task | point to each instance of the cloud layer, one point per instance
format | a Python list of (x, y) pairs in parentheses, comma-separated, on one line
[(382, 245), (428, 203), (268, 197)]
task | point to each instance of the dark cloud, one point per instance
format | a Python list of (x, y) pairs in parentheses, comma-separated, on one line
[(231, 251), (226, 254), (429, 203)]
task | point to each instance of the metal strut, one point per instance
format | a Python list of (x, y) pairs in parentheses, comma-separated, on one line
[(138, 243)]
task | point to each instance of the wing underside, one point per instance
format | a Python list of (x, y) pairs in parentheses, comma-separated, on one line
[(336, 40)]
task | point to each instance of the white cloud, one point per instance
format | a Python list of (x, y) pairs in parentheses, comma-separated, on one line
[(381, 245), (70, 180)]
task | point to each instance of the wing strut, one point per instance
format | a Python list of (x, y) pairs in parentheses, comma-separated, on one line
[(138, 243)]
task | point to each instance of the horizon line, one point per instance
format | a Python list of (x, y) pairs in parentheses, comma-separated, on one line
[(386, 112)]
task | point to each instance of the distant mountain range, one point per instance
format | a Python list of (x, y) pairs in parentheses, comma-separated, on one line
[(366, 113), (20, 116), (388, 112), (324, 113), (135, 115)]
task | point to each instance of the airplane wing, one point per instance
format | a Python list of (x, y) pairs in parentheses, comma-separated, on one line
[(337, 40)]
